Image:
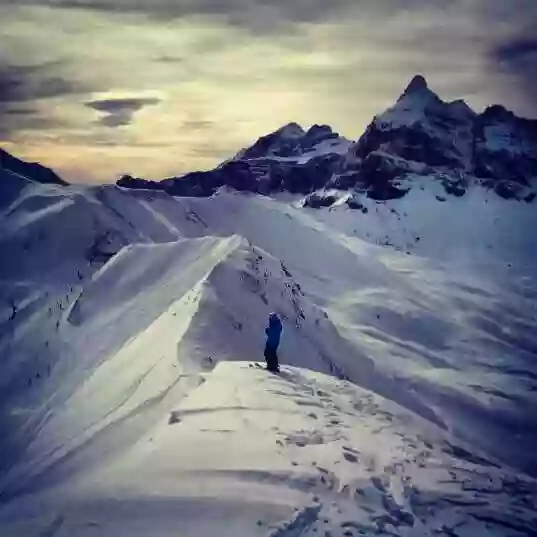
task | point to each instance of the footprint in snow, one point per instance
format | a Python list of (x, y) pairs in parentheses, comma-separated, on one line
[(305, 440), (350, 457)]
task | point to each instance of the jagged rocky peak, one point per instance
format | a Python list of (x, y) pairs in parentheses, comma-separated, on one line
[(283, 142), (319, 133), (461, 109), (506, 152), (417, 85), (128, 181), (320, 130), (291, 140), (419, 96), (498, 112), (291, 130), (523, 131), (421, 127)]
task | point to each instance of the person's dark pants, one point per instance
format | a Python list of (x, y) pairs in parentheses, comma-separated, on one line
[(271, 358)]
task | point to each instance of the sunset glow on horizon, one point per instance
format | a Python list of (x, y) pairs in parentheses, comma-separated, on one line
[(97, 89)]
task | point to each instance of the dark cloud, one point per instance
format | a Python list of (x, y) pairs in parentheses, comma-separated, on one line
[(513, 26), (14, 121), (21, 88), (515, 51), (23, 83), (272, 14), (117, 105), (261, 14), (120, 111), (519, 57)]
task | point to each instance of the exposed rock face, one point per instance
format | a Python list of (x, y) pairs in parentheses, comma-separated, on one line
[(423, 128), (505, 147), (317, 201), (290, 160), (289, 141), (128, 181)]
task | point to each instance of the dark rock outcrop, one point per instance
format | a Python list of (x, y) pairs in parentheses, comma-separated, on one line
[(422, 128), (127, 181), (317, 201), (505, 146)]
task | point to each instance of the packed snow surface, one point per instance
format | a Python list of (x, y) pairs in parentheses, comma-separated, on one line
[(299, 453)]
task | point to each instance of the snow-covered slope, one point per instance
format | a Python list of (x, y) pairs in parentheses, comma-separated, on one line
[(252, 454), (121, 310)]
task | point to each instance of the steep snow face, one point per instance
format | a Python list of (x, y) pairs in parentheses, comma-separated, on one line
[(248, 453)]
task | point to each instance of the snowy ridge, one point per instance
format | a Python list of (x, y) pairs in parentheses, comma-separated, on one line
[(130, 321), (248, 453)]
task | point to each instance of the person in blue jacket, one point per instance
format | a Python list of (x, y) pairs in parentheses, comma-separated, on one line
[(273, 332)]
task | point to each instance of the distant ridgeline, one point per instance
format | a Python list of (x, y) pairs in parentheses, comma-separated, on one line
[(420, 136)]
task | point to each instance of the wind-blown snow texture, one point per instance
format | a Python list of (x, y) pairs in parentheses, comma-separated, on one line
[(130, 403)]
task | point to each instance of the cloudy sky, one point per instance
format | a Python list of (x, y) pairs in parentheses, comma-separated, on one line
[(154, 88)]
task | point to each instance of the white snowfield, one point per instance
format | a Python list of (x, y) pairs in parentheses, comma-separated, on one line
[(131, 404), (300, 453)]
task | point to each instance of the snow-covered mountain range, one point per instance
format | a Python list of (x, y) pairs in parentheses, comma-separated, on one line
[(420, 136), (131, 321)]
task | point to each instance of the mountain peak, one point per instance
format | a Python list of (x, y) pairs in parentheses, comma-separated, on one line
[(418, 93), (417, 85), (291, 129), (498, 111)]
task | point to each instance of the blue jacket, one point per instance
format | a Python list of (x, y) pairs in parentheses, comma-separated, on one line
[(273, 331)]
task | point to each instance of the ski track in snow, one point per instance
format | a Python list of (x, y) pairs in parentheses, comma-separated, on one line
[(123, 415)]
